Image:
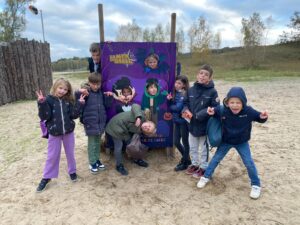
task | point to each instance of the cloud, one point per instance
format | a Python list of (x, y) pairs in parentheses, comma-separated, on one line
[(70, 26)]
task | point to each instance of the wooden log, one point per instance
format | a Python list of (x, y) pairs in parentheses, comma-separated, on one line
[(3, 78)]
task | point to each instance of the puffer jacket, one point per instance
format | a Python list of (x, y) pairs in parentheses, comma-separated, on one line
[(59, 115), (199, 97), (94, 112)]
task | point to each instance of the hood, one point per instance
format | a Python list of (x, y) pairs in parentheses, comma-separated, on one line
[(237, 92)]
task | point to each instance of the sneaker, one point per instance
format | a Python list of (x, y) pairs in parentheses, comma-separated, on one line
[(255, 192), (73, 177), (191, 169), (181, 166), (141, 162), (199, 173), (100, 166), (202, 182), (121, 169), (93, 168), (42, 185)]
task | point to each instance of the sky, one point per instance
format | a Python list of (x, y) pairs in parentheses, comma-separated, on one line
[(71, 25)]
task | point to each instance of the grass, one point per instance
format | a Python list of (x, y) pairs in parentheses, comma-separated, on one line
[(229, 64)]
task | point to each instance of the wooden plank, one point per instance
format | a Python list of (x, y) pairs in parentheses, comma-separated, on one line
[(101, 22)]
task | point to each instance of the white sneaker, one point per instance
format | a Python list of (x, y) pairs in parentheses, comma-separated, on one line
[(202, 182), (255, 192)]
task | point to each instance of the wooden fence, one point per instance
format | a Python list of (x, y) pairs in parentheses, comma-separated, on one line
[(25, 67)]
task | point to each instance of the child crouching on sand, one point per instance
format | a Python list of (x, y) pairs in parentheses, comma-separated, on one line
[(237, 119)]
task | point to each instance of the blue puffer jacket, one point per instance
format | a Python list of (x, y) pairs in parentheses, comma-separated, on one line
[(176, 106), (59, 115), (94, 112), (199, 97), (237, 127)]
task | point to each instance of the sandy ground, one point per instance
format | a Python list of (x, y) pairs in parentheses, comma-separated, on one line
[(156, 195)]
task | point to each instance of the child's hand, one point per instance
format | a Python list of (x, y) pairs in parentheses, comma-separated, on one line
[(40, 96), (81, 99), (169, 96), (264, 114), (210, 111), (138, 122), (108, 93), (187, 114), (84, 91)]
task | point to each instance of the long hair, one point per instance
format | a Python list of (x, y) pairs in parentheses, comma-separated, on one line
[(185, 81), (69, 95)]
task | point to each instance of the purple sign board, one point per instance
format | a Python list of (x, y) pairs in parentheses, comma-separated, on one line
[(146, 71)]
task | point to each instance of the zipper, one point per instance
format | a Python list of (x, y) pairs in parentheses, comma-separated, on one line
[(62, 116)]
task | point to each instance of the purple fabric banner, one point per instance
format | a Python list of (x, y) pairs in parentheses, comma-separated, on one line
[(146, 70)]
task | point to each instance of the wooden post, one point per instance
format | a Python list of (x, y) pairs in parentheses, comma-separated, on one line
[(173, 27), (171, 150), (101, 22)]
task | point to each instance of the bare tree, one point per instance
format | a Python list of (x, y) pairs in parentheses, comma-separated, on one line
[(253, 30), (12, 19), (192, 34), (216, 41), (129, 32), (180, 40), (146, 35), (159, 33)]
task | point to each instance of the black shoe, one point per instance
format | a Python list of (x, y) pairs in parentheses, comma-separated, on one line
[(121, 169), (141, 162), (73, 177), (43, 184), (181, 166), (99, 165)]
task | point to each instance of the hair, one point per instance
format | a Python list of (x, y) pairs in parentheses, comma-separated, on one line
[(184, 80), (151, 81), (95, 78), (207, 68), (154, 131), (152, 55), (95, 47), (61, 81)]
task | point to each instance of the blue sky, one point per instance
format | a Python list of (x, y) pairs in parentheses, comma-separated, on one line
[(71, 25)]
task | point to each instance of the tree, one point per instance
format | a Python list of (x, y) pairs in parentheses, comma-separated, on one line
[(192, 34), (216, 41), (252, 30), (294, 34), (129, 32), (159, 33), (146, 35), (200, 36), (12, 19), (180, 40)]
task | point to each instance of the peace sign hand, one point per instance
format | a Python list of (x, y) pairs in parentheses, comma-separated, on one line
[(40, 96)]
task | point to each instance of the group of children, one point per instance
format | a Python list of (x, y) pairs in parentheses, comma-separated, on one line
[(191, 108)]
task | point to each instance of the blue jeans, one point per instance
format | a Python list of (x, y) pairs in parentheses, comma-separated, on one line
[(181, 131), (244, 152)]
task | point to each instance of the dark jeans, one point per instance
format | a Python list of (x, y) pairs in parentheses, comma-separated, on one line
[(181, 132)]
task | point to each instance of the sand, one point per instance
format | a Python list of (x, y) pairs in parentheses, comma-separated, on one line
[(156, 195)]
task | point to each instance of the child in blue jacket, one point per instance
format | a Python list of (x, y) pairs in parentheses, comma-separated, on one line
[(237, 120)]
